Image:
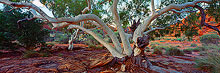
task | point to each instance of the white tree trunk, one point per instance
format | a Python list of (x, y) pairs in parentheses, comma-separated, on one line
[(125, 41)]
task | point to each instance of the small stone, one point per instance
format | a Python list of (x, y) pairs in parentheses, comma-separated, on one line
[(62, 68), (107, 71), (123, 67)]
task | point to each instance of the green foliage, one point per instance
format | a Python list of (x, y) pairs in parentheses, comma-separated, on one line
[(91, 40), (174, 51), (193, 45), (210, 62), (190, 50), (211, 46), (60, 55), (162, 41), (27, 33), (99, 47), (52, 44), (210, 39), (92, 46), (61, 38), (95, 47), (158, 51), (32, 54), (214, 10)]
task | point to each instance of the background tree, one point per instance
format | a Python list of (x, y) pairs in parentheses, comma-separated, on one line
[(27, 32)]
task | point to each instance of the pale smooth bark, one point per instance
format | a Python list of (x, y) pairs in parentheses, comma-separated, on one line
[(126, 44), (152, 7), (113, 51)]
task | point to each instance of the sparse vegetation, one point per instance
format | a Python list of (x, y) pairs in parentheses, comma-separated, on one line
[(32, 54), (158, 51), (193, 45), (23, 33), (210, 39), (211, 62), (95, 46), (174, 51), (188, 51)]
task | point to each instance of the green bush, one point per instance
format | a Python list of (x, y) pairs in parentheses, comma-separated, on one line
[(174, 51), (179, 39), (92, 46), (188, 51), (158, 51), (32, 54), (60, 55), (210, 62), (162, 41), (167, 39), (95, 47), (99, 47), (210, 39), (197, 49), (28, 33), (211, 46), (61, 38), (193, 45)]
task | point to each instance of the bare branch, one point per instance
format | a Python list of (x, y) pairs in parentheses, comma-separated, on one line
[(152, 7), (113, 51), (182, 11), (153, 29), (87, 8)]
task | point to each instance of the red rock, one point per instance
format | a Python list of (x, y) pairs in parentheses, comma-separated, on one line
[(101, 62), (107, 71)]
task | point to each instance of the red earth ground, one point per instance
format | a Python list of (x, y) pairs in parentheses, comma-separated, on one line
[(83, 59)]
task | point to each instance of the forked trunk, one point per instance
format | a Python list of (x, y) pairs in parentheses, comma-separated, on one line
[(138, 58)]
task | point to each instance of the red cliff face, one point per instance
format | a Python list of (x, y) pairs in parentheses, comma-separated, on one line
[(204, 30)]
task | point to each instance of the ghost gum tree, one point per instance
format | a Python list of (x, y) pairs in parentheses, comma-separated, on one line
[(140, 36)]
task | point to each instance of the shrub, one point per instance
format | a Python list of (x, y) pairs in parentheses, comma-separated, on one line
[(99, 47), (210, 62), (28, 33), (178, 46), (153, 46), (188, 51), (197, 49), (60, 55), (174, 51), (167, 39), (162, 41), (92, 46), (61, 38), (157, 51), (193, 45), (210, 39), (211, 46), (32, 54), (178, 39), (95, 47)]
